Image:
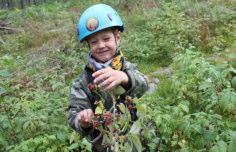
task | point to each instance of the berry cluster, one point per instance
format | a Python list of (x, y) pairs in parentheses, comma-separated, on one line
[(103, 120)]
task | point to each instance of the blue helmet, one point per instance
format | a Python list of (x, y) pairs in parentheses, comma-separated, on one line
[(97, 18)]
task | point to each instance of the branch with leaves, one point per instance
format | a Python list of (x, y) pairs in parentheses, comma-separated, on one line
[(115, 124)]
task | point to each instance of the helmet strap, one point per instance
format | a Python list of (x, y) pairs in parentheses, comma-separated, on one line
[(114, 30)]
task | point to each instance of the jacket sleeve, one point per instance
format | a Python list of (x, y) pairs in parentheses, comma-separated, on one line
[(138, 81), (78, 101)]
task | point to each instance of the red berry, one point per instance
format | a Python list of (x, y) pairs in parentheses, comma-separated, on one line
[(91, 86), (108, 122), (130, 107), (108, 115), (128, 99), (95, 124)]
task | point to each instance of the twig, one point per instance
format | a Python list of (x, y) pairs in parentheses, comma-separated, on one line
[(2, 23), (9, 28), (94, 141)]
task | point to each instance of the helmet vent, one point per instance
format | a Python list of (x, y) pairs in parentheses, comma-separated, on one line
[(109, 16)]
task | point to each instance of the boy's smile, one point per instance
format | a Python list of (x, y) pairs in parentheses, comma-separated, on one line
[(103, 44)]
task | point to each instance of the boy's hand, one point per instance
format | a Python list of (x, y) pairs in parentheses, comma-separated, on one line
[(85, 117), (109, 78)]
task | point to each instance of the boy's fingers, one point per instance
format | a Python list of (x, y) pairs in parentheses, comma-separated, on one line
[(85, 117), (89, 115), (103, 76), (81, 117), (99, 72), (106, 82), (111, 86)]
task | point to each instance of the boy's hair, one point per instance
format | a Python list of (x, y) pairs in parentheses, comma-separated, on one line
[(113, 30), (97, 18)]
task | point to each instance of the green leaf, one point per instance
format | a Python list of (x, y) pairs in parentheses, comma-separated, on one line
[(136, 141), (26, 125), (233, 82), (3, 141), (125, 126), (197, 128), (73, 146), (227, 100), (135, 128), (184, 107), (4, 73), (232, 146), (2, 90), (122, 107), (128, 147), (8, 61), (98, 110), (205, 85), (6, 124), (52, 137), (142, 108), (221, 146), (119, 90), (87, 144), (73, 137), (61, 136)]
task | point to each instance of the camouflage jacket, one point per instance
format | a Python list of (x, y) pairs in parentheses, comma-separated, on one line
[(81, 97)]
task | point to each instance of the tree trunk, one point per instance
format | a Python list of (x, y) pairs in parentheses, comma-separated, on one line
[(9, 3), (22, 5), (2, 4)]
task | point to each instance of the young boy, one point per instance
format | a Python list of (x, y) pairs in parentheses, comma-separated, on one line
[(100, 26)]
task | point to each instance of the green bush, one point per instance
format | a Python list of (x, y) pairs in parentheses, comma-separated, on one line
[(194, 110), (176, 26)]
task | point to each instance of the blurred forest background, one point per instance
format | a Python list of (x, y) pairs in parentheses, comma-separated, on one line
[(193, 107)]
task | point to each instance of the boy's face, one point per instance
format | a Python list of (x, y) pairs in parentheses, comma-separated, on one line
[(103, 44)]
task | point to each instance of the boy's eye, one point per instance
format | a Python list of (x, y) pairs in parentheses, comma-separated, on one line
[(106, 39), (93, 42)]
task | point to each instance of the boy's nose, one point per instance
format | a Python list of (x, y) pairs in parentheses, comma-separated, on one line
[(101, 44)]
